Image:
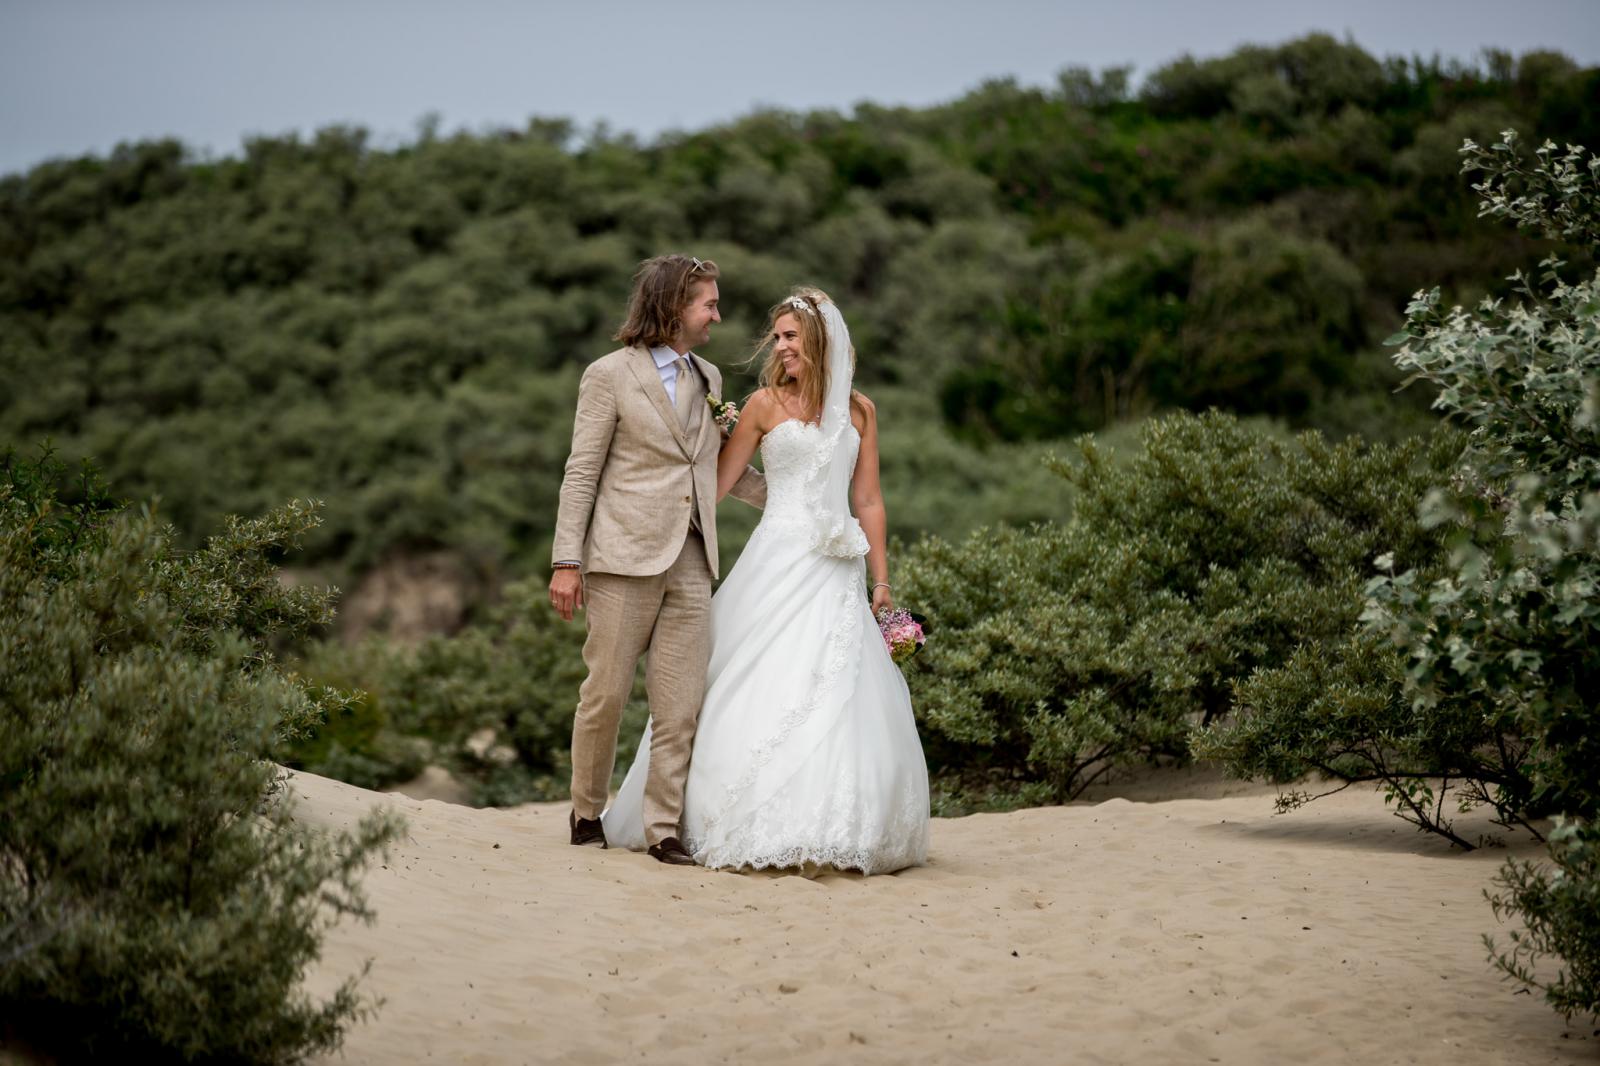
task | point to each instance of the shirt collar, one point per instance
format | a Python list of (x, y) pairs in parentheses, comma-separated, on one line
[(664, 356)]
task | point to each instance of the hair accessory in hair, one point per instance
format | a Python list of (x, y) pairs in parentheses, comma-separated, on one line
[(799, 303)]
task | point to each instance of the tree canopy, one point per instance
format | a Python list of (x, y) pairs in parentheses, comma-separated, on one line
[(399, 331)]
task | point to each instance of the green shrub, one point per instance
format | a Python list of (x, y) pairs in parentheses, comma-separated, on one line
[(513, 684), (1064, 651), (1479, 674), (1339, 708), (1561, 911), (158, 896), (1251, 318), (356, 743), (1514, 628), (1511, 632), (399, 330), (492, 704)]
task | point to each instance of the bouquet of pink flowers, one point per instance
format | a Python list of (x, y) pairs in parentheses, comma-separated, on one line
[(725, 413), (903, 632)]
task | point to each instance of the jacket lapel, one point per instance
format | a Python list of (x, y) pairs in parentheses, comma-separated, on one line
[(707, 423), (644, 372)]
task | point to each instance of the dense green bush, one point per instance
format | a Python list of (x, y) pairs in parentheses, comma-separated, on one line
[(1560, 911), (358, 741), (1253, 319), (157, 896), (492, 704), (1338, 708), (1497, 664), (1512, 632), (399, 331), (1476, 680), (1067, 650)]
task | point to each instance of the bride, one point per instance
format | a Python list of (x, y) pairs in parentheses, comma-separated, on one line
[(806, 751)]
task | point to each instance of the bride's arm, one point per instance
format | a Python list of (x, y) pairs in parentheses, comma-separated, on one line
[(740, 448), (866, 499)]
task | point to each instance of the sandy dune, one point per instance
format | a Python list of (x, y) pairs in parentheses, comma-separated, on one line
[(1186, 930)]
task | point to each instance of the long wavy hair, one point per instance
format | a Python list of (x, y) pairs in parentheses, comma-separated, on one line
[(804, 303), (661, 291)]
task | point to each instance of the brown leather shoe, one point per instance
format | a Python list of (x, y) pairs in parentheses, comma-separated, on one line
[(671, 851), (587, 830)]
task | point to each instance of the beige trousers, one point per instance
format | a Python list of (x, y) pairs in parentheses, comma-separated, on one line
[(666, 617)]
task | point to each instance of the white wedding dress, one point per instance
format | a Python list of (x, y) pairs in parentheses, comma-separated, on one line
[(806, 751)]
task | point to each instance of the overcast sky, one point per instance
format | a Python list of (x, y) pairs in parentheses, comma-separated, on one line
[(78, 76)]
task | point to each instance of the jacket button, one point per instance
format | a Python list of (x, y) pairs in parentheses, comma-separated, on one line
[(686, 499)]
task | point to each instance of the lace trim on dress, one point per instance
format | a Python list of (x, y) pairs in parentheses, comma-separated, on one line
[(824, 531), (828, 838), (824, 681)]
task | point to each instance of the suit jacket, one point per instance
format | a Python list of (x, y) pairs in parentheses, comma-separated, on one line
[(634, 474)]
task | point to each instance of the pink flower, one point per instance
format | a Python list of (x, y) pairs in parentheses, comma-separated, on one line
[(903, 633), (724, 412)]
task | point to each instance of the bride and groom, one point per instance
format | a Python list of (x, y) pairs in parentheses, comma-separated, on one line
[(781, 731)]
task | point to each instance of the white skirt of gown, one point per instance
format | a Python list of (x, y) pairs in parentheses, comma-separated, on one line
[(806, 750)]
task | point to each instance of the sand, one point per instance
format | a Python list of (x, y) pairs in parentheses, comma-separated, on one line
[(1179, 930)]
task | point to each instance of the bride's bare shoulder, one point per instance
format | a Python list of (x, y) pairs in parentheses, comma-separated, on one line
[(764, 408), (763, 396)]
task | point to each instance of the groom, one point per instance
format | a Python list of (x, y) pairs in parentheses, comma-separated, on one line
[(636, 541)]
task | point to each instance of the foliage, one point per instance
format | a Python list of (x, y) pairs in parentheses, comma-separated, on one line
[(1480, 673), (157, 894), (493, 704), (1517, 625), (1476, 674), (1560, 909), (1067, 650), (1512, 632), (356, 742), (399, 332), (1254, 319), (61, 526), (1338, 709)]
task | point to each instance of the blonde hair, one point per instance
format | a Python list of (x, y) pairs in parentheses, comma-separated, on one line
[(661, 291), (804, 303)]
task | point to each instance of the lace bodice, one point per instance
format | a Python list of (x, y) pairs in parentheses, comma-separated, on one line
[(792, 454)]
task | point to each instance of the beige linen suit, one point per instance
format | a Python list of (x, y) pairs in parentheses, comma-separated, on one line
[(635, 479)]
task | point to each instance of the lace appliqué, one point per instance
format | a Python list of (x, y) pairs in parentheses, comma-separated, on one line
[(830, 836), (841, 643), (836, 530), (816, 823), (802, 459), (838, 831)]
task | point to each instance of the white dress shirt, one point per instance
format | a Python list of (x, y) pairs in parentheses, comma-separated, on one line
[(665, 357)]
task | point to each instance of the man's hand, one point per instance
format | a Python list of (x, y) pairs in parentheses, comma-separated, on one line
[(566, 592)]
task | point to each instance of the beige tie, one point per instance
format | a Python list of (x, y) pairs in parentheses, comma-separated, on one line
[(683, 391)]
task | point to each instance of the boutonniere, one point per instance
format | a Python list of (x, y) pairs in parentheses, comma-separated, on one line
[(724, 412)]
